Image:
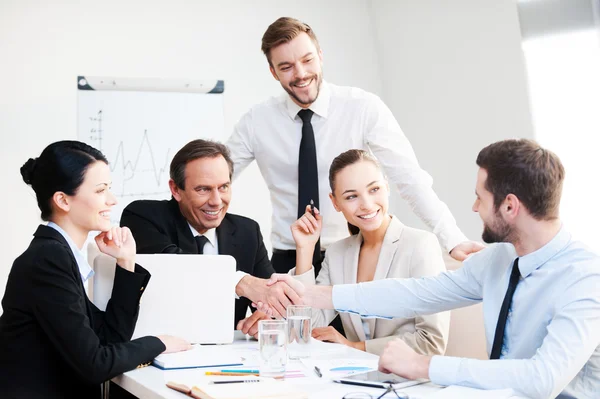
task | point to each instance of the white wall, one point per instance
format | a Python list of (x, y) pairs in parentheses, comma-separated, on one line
[(45, 45), (454, 77), (452, 73)]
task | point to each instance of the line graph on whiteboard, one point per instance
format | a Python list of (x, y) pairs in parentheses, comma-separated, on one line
[(140, 132), (135, 167)]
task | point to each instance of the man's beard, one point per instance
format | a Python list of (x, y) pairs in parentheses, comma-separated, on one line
[(319, 80), (498, 231)]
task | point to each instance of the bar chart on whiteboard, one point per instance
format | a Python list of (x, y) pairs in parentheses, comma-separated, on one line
[(140, 130)]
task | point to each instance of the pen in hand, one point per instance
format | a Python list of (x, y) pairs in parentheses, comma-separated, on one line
[(312, 207)]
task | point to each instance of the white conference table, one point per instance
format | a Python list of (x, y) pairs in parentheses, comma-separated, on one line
[(150, 382)]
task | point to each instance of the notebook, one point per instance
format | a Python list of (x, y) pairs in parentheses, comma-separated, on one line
[(188, 296), (199, 356)]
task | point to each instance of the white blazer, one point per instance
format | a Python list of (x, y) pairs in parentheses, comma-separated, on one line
[(405, 253)]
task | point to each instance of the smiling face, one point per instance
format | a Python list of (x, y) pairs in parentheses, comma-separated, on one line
[(204, 200), (89, 208), (362, 195), (495, 228), (298, 66)]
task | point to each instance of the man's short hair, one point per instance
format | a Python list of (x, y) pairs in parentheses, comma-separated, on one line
[(523, 168), (193, 150), (284, 30)]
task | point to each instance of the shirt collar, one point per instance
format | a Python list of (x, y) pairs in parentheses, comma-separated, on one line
[(319, 107), (80, 256), (532, 261), (210, 234)]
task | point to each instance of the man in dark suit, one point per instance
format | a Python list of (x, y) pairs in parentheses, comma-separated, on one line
[(195, 221)]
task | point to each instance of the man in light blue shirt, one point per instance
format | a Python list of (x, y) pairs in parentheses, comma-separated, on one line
[(540, 289)]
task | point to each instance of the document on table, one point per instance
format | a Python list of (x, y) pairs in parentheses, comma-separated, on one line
[(456, 391), (200, 356)]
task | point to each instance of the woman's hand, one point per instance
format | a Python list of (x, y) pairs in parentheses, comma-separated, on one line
[(307, 229), (330, 334), (118, 242), (174, 344)]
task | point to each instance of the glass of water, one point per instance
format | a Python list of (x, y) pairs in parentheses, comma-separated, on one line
[(299, 331), (272, 343)]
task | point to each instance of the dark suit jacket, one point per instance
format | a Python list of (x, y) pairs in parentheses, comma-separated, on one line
[(159, 227), (54, 343)]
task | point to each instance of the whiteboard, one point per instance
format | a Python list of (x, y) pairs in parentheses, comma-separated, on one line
[(139, 125)]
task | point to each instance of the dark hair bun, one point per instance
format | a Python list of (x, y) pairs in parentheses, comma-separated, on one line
[(27, 170)]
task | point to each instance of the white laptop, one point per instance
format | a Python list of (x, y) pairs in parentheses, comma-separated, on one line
[(188, 296)]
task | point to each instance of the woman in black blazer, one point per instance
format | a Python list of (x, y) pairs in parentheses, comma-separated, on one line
[(54, 343)]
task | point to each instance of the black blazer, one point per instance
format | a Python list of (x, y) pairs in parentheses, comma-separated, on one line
[(54, 343), (159, 227)]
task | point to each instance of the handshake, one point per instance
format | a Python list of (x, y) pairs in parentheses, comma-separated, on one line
[(272, 297)]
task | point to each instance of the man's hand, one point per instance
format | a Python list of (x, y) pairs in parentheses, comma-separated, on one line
[(316, 296), (275, 297), (399, 358), (249, 325), (464, 249)]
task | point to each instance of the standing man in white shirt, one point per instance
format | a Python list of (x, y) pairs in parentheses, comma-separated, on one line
[(295, 137)]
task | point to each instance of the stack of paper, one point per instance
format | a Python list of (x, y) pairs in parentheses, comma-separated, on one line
[(199, 356)]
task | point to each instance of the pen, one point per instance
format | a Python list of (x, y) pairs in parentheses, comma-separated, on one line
[(228, 373), (318, 372), (239, 371), (312, 207), (234, 381)]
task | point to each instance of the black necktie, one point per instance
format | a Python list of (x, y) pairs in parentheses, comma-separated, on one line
[(308, 177), (512, 286), (200, 241)]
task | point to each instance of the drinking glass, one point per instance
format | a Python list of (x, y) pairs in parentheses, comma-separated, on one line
[(272, 343), (299, 331)]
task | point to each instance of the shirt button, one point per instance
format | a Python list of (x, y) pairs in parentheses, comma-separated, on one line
[(503, 352), (510, 313)]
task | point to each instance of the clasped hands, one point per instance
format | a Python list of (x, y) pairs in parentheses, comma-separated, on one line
[(270, 297)]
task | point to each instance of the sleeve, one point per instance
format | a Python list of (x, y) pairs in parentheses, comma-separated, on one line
[(431, 331), (262, 265), (239, 144), (573, 335), (320, 317), (117, 323), (409, 298), (59, 307), (150, 238), (392, 148)]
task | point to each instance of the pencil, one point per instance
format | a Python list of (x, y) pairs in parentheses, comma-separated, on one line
[(223, 373), (239, 371)]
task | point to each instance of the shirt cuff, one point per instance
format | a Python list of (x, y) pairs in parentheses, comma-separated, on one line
[(457, 237), (342, 296), (239, 275), (444, 370)]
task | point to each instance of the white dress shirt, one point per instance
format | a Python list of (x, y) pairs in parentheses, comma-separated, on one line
[(85, 270), (212, 248), (344, 118), (552, 338)]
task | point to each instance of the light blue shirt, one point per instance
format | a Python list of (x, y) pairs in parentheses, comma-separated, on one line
[(552, 337), (80, 257)]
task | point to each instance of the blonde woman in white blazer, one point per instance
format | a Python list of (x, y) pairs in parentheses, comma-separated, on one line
[(380, 247)]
